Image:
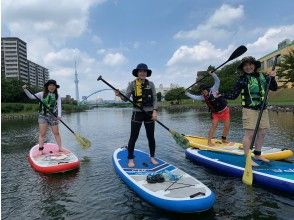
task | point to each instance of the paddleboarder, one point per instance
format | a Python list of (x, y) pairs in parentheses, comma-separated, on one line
[(144, 95), (52, 99)]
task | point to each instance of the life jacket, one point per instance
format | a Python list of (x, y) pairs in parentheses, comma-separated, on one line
[(253, 94), (51, 102), (215, 104), (142, 94)]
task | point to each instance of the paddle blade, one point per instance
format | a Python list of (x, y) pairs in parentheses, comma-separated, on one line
[(248, 175), (84, 142), (180, 139), (238, 52)]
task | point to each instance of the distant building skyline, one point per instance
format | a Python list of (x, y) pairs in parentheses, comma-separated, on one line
[(14, 63)]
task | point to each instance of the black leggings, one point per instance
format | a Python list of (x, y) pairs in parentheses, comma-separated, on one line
[(137, 119)]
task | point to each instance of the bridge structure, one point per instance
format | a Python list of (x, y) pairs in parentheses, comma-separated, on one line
[(85, 98)]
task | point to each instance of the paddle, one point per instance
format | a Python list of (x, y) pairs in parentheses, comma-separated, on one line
[(248, 175), (180, 139), (238, 52), (85, 143)]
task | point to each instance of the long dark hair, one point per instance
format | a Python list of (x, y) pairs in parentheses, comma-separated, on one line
[(46, 91)]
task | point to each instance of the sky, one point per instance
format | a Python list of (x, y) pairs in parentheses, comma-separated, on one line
[(175, 38)]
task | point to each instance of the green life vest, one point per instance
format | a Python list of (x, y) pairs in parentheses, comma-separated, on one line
[(51, 102), (253, 95)]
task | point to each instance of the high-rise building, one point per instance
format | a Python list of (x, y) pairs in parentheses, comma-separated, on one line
[(14, 58), (38, 75), (14, 63)]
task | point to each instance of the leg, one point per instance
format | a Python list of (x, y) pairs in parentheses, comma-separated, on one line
[(55, 131), (258, 145), (150, 126), (226, 131), (211, 132), (135, 130), (42, 134), (247, 140)]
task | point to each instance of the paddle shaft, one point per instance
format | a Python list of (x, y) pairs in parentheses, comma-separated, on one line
[(137, 106), (50, 111), (198, 81), (238, 52), (262, 105)]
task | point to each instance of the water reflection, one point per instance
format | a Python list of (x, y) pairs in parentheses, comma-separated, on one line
[(96, 192)]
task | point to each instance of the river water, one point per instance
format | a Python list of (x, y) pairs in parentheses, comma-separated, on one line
[(96, 192)]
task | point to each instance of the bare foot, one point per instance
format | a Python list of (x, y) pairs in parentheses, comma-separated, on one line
[(153, 161), (131, 163), (63, 150), (261, 158), (224, 141), (254, 164), (210, 144)]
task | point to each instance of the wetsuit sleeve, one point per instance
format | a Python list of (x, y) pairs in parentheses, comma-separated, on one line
[(235, 92), (39, 94), (194, 97), (273, 85)]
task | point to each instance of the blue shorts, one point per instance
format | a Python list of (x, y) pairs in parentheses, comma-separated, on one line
[(48, 119)]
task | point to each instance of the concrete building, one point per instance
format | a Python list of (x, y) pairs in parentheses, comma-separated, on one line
[(14, 59), (38, 75), (14, 63), (267, 61)]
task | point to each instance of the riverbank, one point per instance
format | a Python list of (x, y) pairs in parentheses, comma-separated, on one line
[(20, 111)]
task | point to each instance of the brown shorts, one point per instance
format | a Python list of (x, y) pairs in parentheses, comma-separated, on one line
[(249, 118)]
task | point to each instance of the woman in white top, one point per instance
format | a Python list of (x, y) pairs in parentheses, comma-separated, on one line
[(50, 97), (218, 107)]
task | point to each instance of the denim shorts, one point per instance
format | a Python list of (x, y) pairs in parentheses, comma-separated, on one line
[(48, 119)]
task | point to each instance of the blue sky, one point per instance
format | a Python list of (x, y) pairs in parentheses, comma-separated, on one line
[(110, 37)]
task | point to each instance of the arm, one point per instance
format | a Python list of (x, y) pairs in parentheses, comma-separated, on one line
[(215, 87), (128, 92), (233, 94), (273, 85), (155, 106), (59, 106), (39, 94), (194, 97)]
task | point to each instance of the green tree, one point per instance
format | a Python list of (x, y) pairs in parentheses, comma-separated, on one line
[(228, 75), (175, 94), (286, 68), (159, 96), (11, 91)]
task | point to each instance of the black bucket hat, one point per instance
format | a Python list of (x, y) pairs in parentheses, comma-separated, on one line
[(204, 87), (142, 66), (51, 81), (249, 59)]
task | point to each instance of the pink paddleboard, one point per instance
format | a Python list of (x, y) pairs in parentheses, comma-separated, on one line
[(52, 161)]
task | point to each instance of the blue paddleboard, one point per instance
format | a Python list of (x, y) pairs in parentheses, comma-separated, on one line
[(275, 174), (176, 192)]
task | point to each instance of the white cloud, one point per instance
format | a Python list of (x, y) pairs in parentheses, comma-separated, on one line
[(51, 18), (217, 26), (204, 51), (268, 42), (226, 15), (114, 59)]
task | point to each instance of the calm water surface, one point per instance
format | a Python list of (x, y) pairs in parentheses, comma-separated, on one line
[(96, 192)]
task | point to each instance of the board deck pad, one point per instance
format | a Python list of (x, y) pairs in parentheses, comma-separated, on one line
[(177, 184), (271, 153), (51, 160), (278, 174)]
